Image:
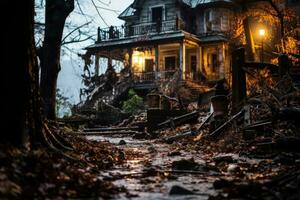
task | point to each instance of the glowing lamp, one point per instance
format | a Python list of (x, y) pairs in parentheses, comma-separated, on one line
[(262, 32)]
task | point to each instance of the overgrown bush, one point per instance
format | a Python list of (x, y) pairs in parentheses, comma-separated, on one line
[(134, 103)]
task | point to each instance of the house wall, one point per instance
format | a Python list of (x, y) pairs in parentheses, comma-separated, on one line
[(164, 54), (220, 19), (221, 50), (169, 11)]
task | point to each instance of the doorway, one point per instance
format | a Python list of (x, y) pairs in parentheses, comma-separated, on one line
[(157, 17)]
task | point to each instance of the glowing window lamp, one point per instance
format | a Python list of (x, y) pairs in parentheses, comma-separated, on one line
[(138, 60)]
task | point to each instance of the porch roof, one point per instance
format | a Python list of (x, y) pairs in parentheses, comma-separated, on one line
[(213, 38), (140, 40)]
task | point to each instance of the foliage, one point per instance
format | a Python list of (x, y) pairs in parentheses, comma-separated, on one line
[(63, 104), (134, 102), (279, 19)]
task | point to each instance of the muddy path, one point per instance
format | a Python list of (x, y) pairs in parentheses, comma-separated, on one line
[(153, 174)]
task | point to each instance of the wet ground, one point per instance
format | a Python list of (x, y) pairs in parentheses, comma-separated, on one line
[(150, 175)]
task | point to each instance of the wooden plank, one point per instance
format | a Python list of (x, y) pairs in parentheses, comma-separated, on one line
[(238, 79), (105, 129), (108, 133)]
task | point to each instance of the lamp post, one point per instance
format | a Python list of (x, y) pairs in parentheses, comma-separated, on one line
[(262, 33)]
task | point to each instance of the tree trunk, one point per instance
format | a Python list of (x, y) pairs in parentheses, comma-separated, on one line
[(20, 109), (56, 13)]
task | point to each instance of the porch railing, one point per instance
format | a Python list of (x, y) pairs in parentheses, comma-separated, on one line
[(119, 32), (152, 76)]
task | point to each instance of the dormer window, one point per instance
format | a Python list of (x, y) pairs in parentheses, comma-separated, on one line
[(208, 21), (157, 13)]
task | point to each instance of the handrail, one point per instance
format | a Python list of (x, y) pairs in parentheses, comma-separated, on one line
[(119, 32), (151, 76)]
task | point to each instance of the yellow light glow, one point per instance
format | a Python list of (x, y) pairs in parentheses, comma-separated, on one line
[(141, 60), (138, 60), (262, 32)]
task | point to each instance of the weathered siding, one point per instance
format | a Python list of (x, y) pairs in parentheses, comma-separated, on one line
[(169, 10), (220, 19)]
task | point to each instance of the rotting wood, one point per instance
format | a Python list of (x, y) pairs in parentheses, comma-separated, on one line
[(223, 126), (179, 120), (188, 133), (108, 133), (257, 124), (238, 79), (107, 129)]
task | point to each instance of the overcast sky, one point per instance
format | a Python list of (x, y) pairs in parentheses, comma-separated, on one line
[(69, 80)]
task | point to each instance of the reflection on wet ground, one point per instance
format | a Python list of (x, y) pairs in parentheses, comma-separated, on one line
[(150, 176)]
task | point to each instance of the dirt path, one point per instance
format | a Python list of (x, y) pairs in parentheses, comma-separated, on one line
[(150, 175)]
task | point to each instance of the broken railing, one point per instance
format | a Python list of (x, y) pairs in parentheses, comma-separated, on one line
[(152, 76), (118, 32)]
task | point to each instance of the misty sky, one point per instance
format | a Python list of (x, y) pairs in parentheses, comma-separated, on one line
[(69, 80)]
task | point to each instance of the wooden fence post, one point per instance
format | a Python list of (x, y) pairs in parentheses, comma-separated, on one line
[(283, 62), (238, 79)]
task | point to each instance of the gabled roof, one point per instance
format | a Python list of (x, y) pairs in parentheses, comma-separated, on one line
[(128, 12), (137, 3), (195, 3)]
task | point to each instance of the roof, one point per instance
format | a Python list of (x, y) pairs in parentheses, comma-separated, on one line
[(128, 12), (195, 3), (213, 38)]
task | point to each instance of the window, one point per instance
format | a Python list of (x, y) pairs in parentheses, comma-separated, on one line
[(170, 63), (213, 62), (149, 63), (208, 23), (157, 14)]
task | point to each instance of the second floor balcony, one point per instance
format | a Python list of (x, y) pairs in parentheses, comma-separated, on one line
[(119, 32)]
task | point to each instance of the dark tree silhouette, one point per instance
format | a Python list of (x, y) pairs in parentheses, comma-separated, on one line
[(20, 109), (56, 13)]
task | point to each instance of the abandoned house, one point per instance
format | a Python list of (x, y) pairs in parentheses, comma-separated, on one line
[(160, 37)]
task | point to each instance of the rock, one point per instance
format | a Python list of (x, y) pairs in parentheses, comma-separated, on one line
[(184, 164), (122, 142), (174, 153), (122, 155), (222, 183), (152, 149), (223, 158), (232, 168), (150, 171), (178, 190)]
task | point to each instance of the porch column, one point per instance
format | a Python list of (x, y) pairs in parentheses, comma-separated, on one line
[(222, 61), (156, 66), (198, 67), (182, 60)]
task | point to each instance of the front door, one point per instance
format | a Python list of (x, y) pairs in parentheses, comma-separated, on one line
[(149, 69)]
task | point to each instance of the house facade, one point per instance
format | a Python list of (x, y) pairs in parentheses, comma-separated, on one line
[(161, 37)]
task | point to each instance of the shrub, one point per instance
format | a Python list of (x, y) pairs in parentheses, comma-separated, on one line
[(134, 103)]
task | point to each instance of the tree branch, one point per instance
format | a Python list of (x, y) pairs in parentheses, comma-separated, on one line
[(70, 33), (76, 41)]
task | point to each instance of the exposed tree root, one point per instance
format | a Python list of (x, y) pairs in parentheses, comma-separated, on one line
[(52, 147), (56, 142)]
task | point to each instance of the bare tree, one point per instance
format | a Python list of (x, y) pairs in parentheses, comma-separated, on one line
[(21, 108)]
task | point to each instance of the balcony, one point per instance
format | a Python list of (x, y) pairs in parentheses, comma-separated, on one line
[(120, 32)]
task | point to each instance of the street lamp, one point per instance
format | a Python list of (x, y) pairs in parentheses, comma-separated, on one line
[(262, 33)]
